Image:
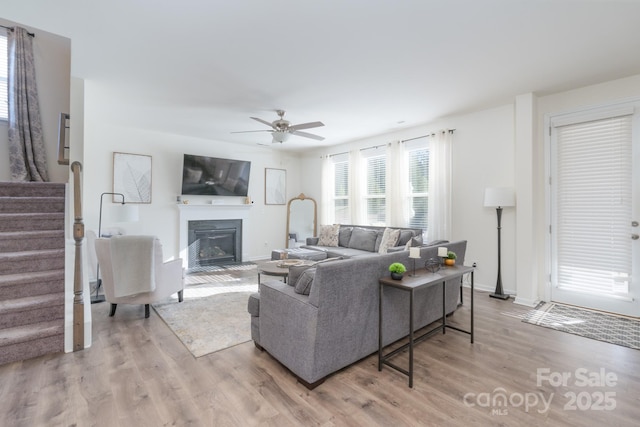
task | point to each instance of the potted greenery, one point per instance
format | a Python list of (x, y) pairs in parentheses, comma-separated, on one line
[(397, 269), (450, 259)]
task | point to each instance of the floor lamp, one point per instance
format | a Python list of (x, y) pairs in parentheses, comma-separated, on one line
[(499, 197), (122, 215)]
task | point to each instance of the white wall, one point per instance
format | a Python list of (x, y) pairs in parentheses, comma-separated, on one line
[(104, 135), (53, 73)]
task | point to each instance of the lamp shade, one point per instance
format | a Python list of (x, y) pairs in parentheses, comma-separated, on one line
[(495, 197), (124, 213)]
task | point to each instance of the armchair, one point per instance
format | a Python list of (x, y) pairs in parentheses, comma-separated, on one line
[(160, 279)]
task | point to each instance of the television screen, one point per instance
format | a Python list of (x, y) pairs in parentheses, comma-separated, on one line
[(212, 176)]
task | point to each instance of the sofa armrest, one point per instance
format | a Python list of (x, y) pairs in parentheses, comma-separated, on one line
[(312, 241)]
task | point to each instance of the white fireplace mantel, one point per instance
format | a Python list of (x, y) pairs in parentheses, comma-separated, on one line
[(198, 212)]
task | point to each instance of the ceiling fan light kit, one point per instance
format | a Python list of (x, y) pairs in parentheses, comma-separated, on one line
[(281, 129)]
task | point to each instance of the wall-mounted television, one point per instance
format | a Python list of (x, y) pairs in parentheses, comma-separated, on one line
[(213, 176)]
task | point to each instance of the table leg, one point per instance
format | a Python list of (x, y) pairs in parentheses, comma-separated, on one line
[(411, 339), (444, 308), (472, 307), (380, 328)]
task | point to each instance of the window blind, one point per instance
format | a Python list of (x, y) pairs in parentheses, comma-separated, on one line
[(419, 187), (341, 192), (4, 102), (376, 189), (593, 201)]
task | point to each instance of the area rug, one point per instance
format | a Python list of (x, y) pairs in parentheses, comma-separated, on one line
[(212, 316), (586, 323)]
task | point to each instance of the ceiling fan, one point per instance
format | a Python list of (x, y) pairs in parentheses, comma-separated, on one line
[(282, 129)]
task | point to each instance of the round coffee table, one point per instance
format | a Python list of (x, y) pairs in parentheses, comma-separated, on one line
[(277, 268)]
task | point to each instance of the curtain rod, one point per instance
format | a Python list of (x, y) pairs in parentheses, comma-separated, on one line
[(12, 28), (404, 140)]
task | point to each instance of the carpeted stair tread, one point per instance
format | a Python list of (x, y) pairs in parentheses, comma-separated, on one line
[(31, 303), (17, 241), (32, 283), (31, 309), (31, 204), (32, 189), (31, 332), (31, 276), (31, 221), (41, 260), (44, 253)]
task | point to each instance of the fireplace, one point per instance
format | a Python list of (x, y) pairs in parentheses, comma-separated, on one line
[(214, 242), (212, 213)]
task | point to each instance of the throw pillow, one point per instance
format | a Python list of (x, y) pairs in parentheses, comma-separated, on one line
[(389, 239), (344, 236), (295, 271), (363, 239), (405, 236), (329, 235), (303, 285), (414, 242)]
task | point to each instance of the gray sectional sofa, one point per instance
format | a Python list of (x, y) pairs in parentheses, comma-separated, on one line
[(358, 240), (336, 325)]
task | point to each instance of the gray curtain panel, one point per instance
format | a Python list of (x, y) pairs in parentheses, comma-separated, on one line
[(26, 144)]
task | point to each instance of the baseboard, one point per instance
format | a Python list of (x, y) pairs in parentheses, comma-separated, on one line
[(526, 301)]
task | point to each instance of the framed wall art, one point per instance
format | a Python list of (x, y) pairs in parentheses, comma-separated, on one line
[(275, 186), (132, 177)]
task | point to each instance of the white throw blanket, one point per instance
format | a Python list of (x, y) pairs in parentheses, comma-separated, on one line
[(133, 266)]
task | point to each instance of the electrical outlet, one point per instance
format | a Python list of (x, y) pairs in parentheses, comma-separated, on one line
[(475, 264)]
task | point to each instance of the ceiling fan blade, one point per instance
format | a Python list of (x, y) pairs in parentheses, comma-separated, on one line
[(247, 131), (306, 126), (307, 135), (262, 121)]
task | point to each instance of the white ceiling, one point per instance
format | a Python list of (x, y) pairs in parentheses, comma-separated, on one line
[(202, 68)]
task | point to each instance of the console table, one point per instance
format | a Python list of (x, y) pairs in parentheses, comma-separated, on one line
[(421, 279)]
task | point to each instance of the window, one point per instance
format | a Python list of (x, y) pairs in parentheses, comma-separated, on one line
[(342, 213), (418, 160), (4, 103), (375, 197)]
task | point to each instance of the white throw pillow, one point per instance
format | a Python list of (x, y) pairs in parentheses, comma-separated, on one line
[(389, 239), (329, 235)]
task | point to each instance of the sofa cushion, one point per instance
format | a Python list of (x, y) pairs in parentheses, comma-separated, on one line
[(344, 236), (295, 271), (413, 242), (363, 239), (329, 235), (253, 306), (304, 282), (389, 239), (405, 236)]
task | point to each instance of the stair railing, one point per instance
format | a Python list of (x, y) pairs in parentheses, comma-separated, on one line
[(78, 237)]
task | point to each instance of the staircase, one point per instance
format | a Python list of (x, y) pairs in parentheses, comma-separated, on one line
[(32, 262)]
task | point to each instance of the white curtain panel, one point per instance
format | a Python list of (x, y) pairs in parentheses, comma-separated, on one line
[(356, 187), (439, 214), (398, 205), (27, 154), (327, 209)]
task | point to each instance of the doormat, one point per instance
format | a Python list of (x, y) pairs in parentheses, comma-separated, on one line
[(586, 323)]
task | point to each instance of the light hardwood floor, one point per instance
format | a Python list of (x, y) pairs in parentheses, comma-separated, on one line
[(137, 373)]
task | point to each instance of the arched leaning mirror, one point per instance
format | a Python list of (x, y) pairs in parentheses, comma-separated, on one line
[(301, 220)]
